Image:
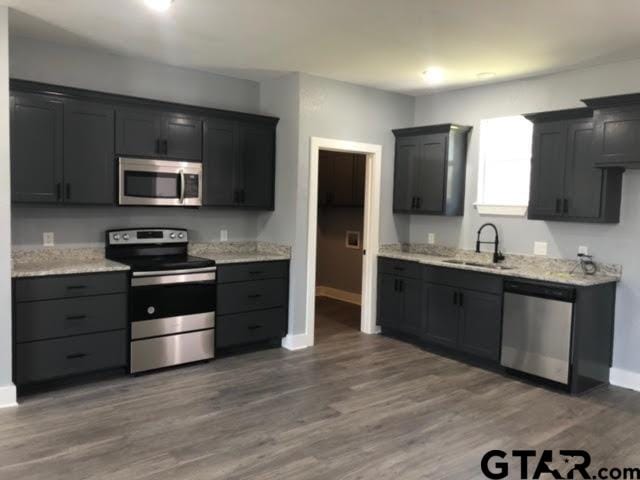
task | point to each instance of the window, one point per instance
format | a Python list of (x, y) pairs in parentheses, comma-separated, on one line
[(505, 162)]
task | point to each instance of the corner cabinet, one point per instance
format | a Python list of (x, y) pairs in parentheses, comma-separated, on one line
[(565, 183), (430, 170)]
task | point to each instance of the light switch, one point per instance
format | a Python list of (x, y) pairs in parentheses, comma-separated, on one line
[(431, 238), (224, 235), (539, 248), (48, 239)]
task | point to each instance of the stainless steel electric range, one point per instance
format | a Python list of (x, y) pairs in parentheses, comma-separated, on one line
[(172, 297)]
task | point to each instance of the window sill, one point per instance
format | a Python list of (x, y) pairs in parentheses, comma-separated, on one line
[(502, 210)]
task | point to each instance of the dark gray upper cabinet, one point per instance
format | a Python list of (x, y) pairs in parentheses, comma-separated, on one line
[(341, 179), (616, 141), (36, 148), (257, 165), (89, 159), (430, 169), (149, 133), (219, 158), (565, 184), (239, 164)]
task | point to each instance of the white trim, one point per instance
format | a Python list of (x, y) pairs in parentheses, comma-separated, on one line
[(624, 378), (8, 396), (370, 234), (504, 210), (337, 294), (296, 342)]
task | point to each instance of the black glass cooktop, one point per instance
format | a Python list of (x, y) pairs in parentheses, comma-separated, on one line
[(166, 262)]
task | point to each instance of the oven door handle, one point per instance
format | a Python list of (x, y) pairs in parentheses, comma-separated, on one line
[(174, 272), (182, 186), (173, 279)]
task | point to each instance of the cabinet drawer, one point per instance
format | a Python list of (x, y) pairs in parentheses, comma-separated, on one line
[(400, 268), (48, 359), (73, 316), (247, 296), (482, 282), (245, 328), (45, 288), (252, 271)]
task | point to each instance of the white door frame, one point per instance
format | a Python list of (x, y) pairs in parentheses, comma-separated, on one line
[(371, 229)]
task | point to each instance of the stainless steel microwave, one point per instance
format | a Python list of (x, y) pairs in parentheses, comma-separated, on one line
[(159, 182)]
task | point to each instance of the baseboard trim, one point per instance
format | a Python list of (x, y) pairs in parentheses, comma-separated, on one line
[(337, 294), (8, 397), (624, 378), (296, 342)]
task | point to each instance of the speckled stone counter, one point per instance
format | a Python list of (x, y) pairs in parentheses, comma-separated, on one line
[(61, 261), (240, 252), (41, 262), (514, 266)]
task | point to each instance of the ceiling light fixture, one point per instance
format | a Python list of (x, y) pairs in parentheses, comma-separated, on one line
[(433, 75), (486, 75), (158, 5)]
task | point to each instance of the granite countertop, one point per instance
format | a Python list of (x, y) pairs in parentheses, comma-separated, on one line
[(42, 262), (240, 252), (61, 261), (517, 266)]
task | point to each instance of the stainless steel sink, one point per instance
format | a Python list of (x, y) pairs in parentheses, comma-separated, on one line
[(491, 266)]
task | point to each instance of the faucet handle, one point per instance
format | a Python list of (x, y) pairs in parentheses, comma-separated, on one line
[(498, 257)]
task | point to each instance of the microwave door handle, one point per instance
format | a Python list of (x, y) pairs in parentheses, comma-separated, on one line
[(182, 186)]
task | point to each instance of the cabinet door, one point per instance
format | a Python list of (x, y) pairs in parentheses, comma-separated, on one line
[(617, 137), (182, 137), (139, 133), (36, 148), (442, 315), (411, 291), (548, 170), (480, 320), (220, 155), (257, 154), (583, 181), (430, 176), (406, 165), (89, 158), (341, 182), (359, 179), (390, 302)]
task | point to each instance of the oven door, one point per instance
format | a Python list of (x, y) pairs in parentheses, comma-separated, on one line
[(159, 183), (165, 303)]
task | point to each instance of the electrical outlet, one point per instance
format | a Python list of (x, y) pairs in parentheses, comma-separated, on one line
[(431, 238), (48, 239), (224, 235), (583, 249), (539, 248)]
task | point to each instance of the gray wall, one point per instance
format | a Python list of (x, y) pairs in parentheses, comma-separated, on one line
[(613, 243), (5, 216), (341, 111), (98, 70), (338, 266)]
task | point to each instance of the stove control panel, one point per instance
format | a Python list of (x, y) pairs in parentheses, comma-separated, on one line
[(147, 235)]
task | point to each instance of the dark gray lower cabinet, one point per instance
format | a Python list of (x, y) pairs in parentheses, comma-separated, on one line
[(252, 303), (69, 325), (457, 309), (480, 324)]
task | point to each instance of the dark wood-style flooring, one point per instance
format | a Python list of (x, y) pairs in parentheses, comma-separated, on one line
[(352, 407)]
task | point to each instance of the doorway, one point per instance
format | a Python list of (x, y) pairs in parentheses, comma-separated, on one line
[(339, 251), (363, 161)]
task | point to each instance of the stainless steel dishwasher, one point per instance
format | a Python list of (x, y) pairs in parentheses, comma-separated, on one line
[(536, 329)]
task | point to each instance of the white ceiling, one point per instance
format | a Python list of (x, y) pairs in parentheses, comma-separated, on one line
[(379, 43)]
